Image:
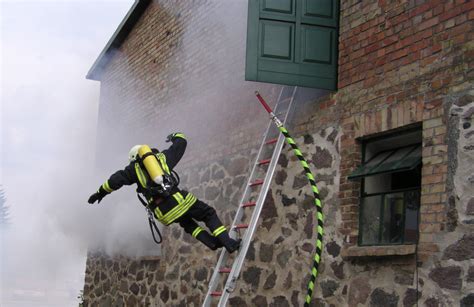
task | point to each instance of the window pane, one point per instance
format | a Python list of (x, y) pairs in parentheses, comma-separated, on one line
[(406, 180), (370, 220), (378, 158), (392, 228), (413, 159), (412, 200), (366, 168), (399, 159), (377, 183), (391, 163)]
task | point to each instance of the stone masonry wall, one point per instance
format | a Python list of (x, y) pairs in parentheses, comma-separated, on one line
[(401, 63), (284, 238)]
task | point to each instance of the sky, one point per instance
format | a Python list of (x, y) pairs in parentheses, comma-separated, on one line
[(48, 130)]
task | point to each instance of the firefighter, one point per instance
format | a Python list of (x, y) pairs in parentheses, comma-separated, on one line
[(153, 173)]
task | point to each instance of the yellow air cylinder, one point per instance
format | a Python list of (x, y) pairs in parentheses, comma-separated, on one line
[(151, 164)]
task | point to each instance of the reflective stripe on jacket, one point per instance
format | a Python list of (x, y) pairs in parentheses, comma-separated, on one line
[(170, 208), (181, 206)]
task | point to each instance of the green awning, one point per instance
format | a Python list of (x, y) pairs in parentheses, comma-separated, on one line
[(394, 160)]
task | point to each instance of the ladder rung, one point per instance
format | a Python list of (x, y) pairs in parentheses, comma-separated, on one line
[(272, 141), (256, 182), (216, 293), (224, 270), (263, 162), (240, 226), (249, 204)]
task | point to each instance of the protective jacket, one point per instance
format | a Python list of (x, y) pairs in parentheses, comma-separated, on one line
[(169, 206)]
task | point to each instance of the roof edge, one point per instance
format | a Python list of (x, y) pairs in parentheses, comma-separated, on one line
[(119, 36)]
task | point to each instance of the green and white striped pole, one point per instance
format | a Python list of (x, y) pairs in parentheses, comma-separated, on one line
[(317, 200)]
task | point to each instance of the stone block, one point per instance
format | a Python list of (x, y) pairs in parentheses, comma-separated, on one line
[(322, 158), (270, 281), (359, 290), (380, 297), (462, 250), (365, 251), (411, 297), (329, 287), (284, 257), (338, 269), (252, 276), (279, 301), (447, 277), (470, 274), (134, 288), (280, 177), (259, 300), (464, 100), (266, 252), (470, 207), (333, 248), (467, 301), (237, 302), (200, 274)]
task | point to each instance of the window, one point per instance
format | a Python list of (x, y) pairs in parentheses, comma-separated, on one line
[(293, 42), (390, 191)]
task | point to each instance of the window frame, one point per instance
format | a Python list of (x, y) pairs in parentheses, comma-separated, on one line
[(362, 194)]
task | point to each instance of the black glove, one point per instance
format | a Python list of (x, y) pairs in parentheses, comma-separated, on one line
[(170, 137), (97, 196)]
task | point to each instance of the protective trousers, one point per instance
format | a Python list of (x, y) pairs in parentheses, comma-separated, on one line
[(201, 212)]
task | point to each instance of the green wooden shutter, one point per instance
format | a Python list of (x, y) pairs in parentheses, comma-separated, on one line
[(293, 42)]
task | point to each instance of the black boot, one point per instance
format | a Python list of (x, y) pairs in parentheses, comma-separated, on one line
[(230, 244), (208, 240)]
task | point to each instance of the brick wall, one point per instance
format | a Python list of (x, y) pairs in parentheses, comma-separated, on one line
[(400, 63), (405, 63), (180, 70)]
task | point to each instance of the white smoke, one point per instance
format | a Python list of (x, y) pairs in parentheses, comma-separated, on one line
[(49, 123), (49, 118), (207, 114)]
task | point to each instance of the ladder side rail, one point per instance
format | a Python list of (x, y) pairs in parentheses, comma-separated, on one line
[(239, 212), (248, 188), (238, 263), (252, 226), (215, 278)]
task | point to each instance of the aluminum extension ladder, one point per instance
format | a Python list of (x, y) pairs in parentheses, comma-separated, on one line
[(232, 264)]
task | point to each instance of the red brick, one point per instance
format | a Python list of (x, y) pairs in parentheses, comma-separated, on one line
[(428, 218), (429, 179), (438, 9), (430, 199), (459, 39), (450, 13), (390, 40), (468, 6), (430, 227), (428, 247), (373, 47), (428, 24), (398, 54), (420, 9)]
